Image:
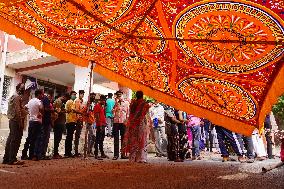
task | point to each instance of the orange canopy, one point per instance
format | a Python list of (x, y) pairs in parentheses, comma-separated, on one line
[(221, 60)]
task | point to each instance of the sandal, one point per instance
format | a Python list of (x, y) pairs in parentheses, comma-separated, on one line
[(17, 163), (144, 162), (124, 157)]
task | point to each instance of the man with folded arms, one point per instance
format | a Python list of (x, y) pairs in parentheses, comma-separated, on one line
[(120, 112)]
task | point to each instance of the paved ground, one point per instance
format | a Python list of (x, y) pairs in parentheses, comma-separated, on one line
[(158, 173)]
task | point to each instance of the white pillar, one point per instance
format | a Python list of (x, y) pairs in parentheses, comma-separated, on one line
[(3, 56), (127, 93), (82, 80), (17, 78)]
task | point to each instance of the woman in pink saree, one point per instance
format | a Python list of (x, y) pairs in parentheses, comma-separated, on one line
[(137, 130)]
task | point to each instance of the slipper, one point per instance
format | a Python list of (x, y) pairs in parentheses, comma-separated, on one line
[(98, 158), (104, 156), (46, 158), (17, 163), (142, 162), (124, 157)]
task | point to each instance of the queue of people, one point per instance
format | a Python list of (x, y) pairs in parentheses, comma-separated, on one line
[(177, 135)]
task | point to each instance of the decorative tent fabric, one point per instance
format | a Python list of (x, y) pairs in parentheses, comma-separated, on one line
[(222, 60)]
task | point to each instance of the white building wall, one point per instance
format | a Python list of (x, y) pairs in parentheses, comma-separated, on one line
[(3, 56), (25, 55), (102, 89), (82, 80), (127, 93)]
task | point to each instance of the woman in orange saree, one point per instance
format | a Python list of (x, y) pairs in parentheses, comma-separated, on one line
[(137, 127)]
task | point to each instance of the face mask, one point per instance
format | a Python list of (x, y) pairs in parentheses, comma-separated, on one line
[(73, 97)]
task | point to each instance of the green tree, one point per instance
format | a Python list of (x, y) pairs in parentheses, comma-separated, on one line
[(278, 108), (278, 111), (147, 98)]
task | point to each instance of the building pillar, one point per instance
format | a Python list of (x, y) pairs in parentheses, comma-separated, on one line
[(82, 80), (3, 56), (127, 93)]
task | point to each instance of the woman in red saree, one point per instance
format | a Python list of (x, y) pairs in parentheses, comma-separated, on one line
[(137, 127)]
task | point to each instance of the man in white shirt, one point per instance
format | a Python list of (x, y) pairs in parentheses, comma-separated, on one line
[(120, 116), (32, 143), (157, 113)]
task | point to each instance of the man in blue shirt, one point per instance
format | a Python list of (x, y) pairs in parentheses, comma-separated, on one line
[(109, 115)]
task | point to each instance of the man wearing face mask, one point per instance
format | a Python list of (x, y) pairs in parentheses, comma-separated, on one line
[(16, 115), (71, 119), (120, 112)]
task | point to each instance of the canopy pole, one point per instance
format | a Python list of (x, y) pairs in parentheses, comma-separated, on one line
[(88, 107), (271, 167)]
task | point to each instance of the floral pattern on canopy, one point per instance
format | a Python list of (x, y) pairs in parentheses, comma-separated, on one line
[(222, 60)]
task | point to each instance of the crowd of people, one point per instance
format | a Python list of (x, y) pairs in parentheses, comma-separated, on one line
[(177, 135)]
